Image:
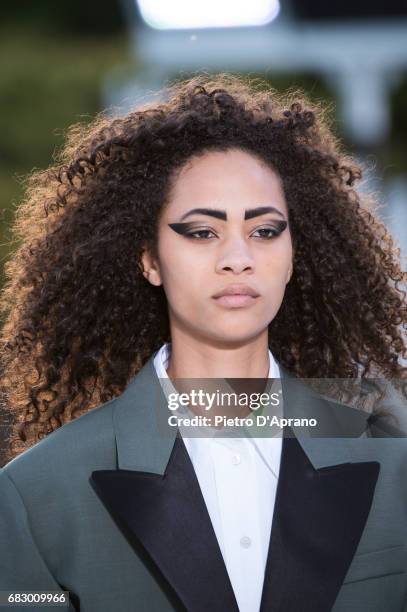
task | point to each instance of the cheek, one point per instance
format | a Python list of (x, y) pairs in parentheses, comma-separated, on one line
[(182, 266), (277, 264), (184, 281)]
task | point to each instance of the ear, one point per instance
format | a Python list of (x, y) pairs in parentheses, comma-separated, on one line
[(151, 268), (291, 266), (289, 273)]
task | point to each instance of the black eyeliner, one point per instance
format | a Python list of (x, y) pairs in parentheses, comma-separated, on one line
[(281, 225), (181, 228)]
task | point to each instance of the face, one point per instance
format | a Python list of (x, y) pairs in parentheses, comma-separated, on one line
[(225, 228)]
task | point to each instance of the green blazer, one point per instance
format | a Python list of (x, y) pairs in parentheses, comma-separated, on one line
[(108, 507)]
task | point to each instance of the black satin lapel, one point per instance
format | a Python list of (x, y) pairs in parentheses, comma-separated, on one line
[(318, 520), (167, 515)]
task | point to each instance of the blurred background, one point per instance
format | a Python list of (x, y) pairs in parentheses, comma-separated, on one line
[(63, 62)]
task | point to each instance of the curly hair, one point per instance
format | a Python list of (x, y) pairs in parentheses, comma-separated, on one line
[(81, 319)]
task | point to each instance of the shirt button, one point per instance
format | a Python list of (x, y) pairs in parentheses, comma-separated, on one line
[(245, 542), (236, 459)]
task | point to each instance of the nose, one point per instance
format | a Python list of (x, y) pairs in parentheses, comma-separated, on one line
[(235, 256)]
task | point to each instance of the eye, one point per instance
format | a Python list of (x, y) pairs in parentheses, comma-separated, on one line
[(267, 233), (194, 235)]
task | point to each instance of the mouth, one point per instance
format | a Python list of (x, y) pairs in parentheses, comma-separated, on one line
[(239, 300)]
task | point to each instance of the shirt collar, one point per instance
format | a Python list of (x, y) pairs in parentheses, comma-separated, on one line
[(162, 356), (198, 445)]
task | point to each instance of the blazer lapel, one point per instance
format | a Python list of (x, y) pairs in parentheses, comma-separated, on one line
[(155, 499), (322, 505)]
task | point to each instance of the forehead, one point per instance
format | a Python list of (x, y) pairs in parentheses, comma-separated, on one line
[(233, 179)]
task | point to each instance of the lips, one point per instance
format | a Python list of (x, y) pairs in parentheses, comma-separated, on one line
[(237, 290), (236, 296), (235, 301)]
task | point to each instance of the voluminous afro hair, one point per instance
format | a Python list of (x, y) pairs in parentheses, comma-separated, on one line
[(81, 319)]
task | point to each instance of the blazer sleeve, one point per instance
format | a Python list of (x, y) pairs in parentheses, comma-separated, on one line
[(22, 567)]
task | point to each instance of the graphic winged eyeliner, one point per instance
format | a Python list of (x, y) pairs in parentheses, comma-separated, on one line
[(184, 228)]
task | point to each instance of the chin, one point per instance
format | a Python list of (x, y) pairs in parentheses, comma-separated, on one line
[(234, 338)]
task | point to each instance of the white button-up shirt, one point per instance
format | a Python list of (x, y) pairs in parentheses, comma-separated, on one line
[(238, 479)]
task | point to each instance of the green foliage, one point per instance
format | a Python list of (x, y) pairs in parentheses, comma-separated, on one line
[(89, 18), (47, 83)]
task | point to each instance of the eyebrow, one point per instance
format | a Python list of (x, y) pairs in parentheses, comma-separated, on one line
[(221, 214)]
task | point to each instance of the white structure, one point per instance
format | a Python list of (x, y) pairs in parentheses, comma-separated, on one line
[(361, 60)]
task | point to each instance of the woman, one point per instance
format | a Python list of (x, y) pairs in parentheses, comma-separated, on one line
[(214, 235)]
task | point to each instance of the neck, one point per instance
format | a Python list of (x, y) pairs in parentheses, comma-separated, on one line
[(197, 358)]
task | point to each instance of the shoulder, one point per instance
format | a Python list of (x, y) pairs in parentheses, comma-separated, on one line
[(68, 454), (46, 500)]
